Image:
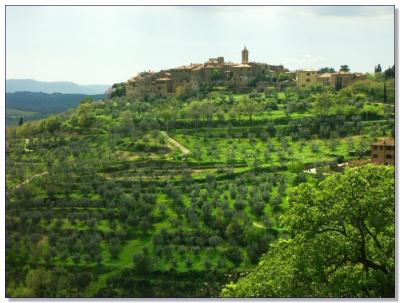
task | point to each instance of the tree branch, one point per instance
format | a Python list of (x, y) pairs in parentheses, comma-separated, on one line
[(337, 266), (373, 265), (363, 258), (372, 235), (343, 233)]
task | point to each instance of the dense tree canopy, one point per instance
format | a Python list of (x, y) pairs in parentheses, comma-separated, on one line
[(341, 243), (326, 70), (344, 68), (390, 72)]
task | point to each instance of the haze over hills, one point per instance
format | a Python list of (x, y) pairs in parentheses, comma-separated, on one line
[(37, 105), (64, 87), (55, 102)]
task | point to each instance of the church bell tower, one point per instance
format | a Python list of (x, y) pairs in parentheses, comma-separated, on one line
[(245, 56)]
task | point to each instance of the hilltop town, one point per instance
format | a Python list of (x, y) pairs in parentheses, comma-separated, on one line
[(217, 161), (237, 77)]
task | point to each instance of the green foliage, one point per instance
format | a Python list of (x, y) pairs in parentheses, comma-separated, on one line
[(341, 243), (249, 106), (344, 68), (182, 92), (283, 77), (186, 190), (378, 69), (87, 100), (118, 90), (51, 125), (323, 104), (326, 70), (390, 73), (216, 75)]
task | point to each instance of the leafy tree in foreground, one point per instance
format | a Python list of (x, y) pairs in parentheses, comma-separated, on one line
[(341, 244)]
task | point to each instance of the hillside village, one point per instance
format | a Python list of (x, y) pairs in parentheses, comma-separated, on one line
[(154, 194), (206, 166), (239, 77)]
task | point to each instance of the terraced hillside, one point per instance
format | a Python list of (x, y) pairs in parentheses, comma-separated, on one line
[(170, 198)]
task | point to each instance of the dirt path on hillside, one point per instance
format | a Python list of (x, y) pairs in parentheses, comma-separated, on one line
[(31, 178), (183, 149), (313, 170)]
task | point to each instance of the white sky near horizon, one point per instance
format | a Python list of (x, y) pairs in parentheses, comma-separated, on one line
[(108, 44)]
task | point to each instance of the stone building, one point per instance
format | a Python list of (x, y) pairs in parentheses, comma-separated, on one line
[(245, 56), (197, 75), (325, 78), (343, 79), (383, 152), (306, 78)]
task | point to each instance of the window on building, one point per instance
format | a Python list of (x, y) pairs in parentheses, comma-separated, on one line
[(380, 148), (308, 80), (374, 156), (375, 147), (308, 74), (388, 156)]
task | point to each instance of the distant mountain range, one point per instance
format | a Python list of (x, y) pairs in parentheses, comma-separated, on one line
[(42, 102), (38, 105), (30, 85)]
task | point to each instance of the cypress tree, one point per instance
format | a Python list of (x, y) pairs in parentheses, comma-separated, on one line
[(384, 93), (338, 84)]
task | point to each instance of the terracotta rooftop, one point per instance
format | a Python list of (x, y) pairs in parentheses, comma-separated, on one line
[(188, 67), (343, 73), (198, 67), (325, 75), (208, 65), (389, 142), (181, 67), (241, 65)]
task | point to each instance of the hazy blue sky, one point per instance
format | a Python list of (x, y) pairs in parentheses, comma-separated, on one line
[(105, 45)]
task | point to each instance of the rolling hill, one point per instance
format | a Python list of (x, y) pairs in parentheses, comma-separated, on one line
[(184, 197), (37, 105), (64, 87)]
